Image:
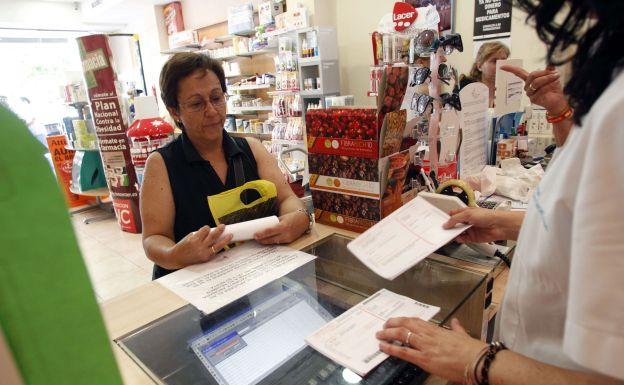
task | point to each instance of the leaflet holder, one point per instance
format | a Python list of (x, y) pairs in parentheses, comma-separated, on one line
[(87, 171)]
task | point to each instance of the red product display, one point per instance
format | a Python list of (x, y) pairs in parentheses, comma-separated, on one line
[(110, 128), (173, 17), (147, 135), (347, 123)]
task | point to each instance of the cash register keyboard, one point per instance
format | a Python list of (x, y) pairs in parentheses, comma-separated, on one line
[(311, 368)]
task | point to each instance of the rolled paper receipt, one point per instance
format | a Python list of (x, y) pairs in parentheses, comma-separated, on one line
[(245, 231)]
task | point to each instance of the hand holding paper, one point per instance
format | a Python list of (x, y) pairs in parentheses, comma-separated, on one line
[(245, 231), (403, 239), (350, 339)]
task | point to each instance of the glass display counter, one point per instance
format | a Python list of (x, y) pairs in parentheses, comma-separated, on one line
[(259, 339)]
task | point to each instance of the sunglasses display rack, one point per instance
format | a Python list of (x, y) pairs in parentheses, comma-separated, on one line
[(443, 103)]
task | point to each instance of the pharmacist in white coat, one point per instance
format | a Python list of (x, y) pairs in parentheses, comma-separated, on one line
[(562, 319)]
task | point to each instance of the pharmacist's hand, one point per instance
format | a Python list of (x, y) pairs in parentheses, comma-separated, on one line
[(485, 225), (542, 87), (289, 228), (200, 246), (438, 351)]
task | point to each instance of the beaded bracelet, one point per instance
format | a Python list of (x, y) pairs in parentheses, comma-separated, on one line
[(488, 358), (561, 117)]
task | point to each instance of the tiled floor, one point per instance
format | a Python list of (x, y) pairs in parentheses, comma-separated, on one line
[(115, 259)]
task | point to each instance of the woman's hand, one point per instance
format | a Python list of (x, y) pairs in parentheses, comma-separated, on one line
[(439, 351), (290, 227), (199, 246), (543, 88), (485, 226)]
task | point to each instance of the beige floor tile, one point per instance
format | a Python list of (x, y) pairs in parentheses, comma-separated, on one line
[(115, 259), (139, 258), (122, 283), (108, 268)]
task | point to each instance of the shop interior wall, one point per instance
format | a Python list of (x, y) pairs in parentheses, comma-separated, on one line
[(356, 19), (40, 14)]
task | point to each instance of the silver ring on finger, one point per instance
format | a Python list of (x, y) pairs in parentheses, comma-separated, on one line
[(407, 339), (214, 252), (532, 88)]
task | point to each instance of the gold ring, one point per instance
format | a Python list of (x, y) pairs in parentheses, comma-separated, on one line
[(213, 250), (407, 339)]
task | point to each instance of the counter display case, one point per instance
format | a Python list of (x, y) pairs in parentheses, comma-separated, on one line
[(259, 339)]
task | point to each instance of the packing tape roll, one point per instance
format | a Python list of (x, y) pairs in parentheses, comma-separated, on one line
[(459, 189)]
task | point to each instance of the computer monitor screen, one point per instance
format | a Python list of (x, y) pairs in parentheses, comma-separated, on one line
[(249, 346)]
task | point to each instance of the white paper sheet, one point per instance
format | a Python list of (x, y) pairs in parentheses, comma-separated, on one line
[(350, 339), (404, 238), (245, 231), (509, 89), (233, 274), (475, 126)]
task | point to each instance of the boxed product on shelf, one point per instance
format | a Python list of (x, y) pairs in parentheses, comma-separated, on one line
[(241, 18), (267, 10), (173, 17), (183, 38)]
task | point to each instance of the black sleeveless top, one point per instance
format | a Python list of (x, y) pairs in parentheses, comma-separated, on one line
[(193, 179)]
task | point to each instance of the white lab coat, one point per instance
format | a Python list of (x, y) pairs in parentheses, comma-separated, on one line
[(564, 303)]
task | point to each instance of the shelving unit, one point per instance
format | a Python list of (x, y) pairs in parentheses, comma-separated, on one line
[(188, 48), (251, 87), (283, 92), (250, 134), (324, 66), (234, 76), (242, 110)]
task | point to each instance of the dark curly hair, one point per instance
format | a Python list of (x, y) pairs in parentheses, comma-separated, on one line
[(595, 29), (182, 65)]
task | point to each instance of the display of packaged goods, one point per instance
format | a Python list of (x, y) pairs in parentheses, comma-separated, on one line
[(241, 18), (183, 39), (267, 10), (173, 17)]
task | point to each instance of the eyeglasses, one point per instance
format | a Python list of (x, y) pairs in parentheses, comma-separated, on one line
[(452, 42), (200, 103), (427, 42), (445, 74), (420, 103)]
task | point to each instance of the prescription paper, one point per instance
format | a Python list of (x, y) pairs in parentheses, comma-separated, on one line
[(350, 339)]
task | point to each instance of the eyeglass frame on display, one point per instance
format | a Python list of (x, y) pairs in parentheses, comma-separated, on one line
[(424, 73), (448, 43), (450, 99)]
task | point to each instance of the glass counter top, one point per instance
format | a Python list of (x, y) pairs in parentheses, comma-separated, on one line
[(259, 339)]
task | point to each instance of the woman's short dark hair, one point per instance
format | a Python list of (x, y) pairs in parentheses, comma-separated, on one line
[(182, 65), (596, 31)]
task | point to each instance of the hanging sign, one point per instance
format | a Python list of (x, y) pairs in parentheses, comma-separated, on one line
[(403, 16), (492, 19)]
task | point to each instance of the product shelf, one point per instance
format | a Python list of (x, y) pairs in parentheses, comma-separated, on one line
[(250, 87)]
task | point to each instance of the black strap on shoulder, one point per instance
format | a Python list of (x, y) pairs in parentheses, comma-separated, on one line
[(239, 172), (239, 176)]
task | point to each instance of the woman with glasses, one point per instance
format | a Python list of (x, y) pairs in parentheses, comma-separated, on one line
[(178, 226), (561, 319)]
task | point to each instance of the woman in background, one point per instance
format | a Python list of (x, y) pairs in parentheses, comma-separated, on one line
[(484, 68)]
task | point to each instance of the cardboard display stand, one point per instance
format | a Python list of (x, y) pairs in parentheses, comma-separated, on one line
[(358, 158), (111, 126)]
